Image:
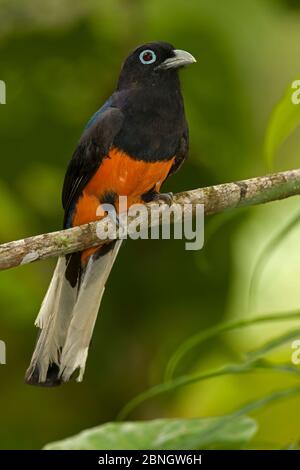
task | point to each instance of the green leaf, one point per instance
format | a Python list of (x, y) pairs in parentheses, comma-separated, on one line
[(229, 431), (272, 344), (220, 432), (284, 120), (228, 369), (267, 400), (268, 251), (215, 331), (254, 360)]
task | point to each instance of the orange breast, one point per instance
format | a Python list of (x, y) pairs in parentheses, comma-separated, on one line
[(124, 176)]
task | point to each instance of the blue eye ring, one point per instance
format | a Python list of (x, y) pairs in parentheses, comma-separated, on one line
[(146, 61)]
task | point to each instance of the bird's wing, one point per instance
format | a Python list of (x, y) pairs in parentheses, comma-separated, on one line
[(93, 146), (182, 151)]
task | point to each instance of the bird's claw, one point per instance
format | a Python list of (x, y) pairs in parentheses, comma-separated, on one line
[(167, 198)]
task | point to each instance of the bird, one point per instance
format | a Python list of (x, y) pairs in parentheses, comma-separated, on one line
[(129, 147)]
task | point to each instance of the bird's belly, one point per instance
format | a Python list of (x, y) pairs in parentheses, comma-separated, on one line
[(119, 175)]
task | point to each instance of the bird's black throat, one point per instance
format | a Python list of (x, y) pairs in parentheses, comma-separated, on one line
[(154, 118)]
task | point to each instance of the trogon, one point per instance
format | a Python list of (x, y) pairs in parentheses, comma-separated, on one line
[(129, 147)]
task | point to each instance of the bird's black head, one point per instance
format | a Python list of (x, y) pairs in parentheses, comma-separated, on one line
[(151, 63)]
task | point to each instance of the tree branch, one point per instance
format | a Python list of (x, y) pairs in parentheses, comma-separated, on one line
[(215, 199)]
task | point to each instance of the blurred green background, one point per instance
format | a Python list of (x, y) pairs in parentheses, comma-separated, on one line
[(60, 61)]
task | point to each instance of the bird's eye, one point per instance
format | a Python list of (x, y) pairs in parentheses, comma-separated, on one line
[(147, 57)]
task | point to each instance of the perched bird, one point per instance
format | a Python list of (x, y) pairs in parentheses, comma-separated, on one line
[(129, 147)]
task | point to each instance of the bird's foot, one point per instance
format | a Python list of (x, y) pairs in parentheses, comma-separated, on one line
[(167, 198)]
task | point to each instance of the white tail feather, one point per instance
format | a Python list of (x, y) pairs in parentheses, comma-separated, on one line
[(49, 299), (84, 315), (67, 318), (53, 320)]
